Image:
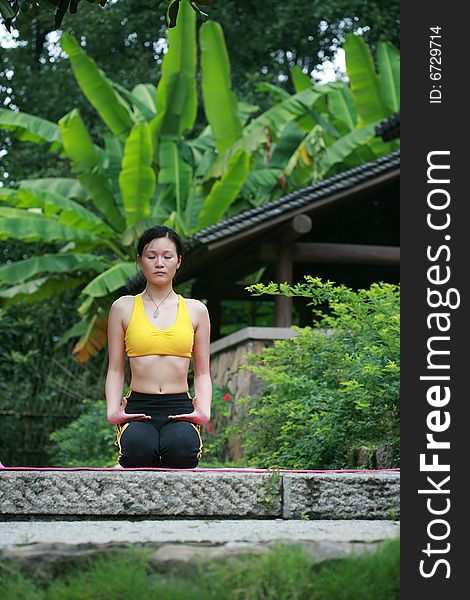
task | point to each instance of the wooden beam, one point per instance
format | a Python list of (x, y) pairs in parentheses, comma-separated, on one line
[(358, 254), (295, 228)]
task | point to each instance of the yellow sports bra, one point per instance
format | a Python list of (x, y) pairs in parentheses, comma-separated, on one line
[(142, 338)]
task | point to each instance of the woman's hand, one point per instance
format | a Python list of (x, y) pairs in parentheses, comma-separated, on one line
[(120, 416), (198, 416)]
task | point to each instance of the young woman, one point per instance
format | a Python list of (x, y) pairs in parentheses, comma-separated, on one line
[(157, 423)]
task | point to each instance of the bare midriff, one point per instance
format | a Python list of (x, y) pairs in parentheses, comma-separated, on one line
[(155, 374)]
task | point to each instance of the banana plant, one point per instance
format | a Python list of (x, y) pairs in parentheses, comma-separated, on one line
[(148, 169), (330, 128)]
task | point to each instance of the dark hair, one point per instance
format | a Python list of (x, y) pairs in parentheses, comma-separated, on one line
[(157, 232)]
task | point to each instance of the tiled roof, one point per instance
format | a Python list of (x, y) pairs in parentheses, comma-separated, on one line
[(295, 200), (389, 129)]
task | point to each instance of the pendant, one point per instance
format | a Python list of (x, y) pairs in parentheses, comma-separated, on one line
[(156, 313)]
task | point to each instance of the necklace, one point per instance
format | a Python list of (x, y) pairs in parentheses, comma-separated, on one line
[(156, 311)]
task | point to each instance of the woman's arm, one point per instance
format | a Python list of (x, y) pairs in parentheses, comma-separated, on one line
[(201, 357), (115, 403), (202, 377)]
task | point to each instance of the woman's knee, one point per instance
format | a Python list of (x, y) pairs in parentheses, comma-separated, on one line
[(138, 445), (180, 445)]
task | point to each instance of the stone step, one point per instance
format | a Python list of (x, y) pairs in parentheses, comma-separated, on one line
[(72, 494), (45, 549)]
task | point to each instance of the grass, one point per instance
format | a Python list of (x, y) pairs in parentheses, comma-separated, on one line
[(284, 574)]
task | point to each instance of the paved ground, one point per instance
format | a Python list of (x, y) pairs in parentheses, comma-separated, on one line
[(249, 531), (45, 549)]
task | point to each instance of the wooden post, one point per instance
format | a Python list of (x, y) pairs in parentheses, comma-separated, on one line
[(284, 273), (297, 227), (214, 306)]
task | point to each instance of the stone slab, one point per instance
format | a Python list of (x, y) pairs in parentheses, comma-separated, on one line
[(341, 496), (143, 494), (139, 493)]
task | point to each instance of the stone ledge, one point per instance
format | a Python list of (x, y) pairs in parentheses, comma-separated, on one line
[(341, 496), (251, 333), (125, 494)]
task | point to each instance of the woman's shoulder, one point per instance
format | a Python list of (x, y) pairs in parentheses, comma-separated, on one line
[(197, 310), (195, 304), (123, 303)]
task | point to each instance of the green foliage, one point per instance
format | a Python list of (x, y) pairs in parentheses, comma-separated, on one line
[(333, 387), (41, 388), (88, 441), (216, 433), (284, 573)]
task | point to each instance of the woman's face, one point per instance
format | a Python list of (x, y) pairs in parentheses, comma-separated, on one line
[(159, 261)]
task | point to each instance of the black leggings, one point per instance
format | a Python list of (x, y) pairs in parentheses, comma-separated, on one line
[(159, 441)]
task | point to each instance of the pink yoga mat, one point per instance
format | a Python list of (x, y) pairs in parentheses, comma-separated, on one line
[(200, 470)]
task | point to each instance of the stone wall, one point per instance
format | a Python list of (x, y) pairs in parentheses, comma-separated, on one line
[(229, 353)]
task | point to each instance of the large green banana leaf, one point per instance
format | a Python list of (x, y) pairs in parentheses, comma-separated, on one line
[(347, 145), (388, 63), (176, 91), (366, 85), (289, 109), (176, 172), (22, 270), (70, 188), (260, 183), (67, 211), (97, 186), (142, 99), (33, 227), (137, 178), (86, 160), (341, 104), (77, 143), (220, 103), (97, 88), (111, 280), (35, 290), (225, 191), (245, 111), (290, 138), (29, 128), (194, 204)]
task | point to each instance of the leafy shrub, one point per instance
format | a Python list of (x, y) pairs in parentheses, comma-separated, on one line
[(333, 387), (87, 441), (215, 435)]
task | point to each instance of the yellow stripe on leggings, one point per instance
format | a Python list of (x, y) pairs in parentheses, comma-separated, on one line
[(119, 431), (198, 430)]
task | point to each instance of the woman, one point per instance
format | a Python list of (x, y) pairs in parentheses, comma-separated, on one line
[(157, 423)]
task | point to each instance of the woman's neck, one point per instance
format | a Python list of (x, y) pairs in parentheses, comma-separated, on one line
[(159, 292)]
